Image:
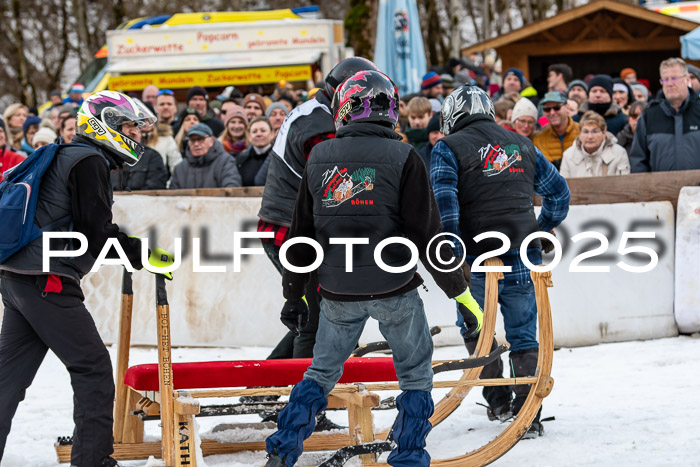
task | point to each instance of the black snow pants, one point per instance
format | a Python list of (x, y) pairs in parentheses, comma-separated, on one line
[(35, 321)]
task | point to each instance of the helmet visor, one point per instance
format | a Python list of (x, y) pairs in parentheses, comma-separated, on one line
[(116, 117)]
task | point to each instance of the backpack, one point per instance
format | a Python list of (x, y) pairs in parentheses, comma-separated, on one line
[(19, 193)]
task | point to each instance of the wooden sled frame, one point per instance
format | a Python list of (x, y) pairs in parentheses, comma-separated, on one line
[(178, 408)]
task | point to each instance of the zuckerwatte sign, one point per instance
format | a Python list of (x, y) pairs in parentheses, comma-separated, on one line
[(236, 38)]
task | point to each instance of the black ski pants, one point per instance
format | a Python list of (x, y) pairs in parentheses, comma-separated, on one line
[(35, 321), (292, 346)]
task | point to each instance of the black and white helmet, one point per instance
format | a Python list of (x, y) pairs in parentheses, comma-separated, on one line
[(464, 101)]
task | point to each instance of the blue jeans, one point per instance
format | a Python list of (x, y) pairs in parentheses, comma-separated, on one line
[(403, 324), (516, 295)]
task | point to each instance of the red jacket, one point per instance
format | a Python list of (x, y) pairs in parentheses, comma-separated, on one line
[(8, 159)]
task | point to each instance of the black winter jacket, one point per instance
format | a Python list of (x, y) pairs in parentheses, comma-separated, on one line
[(215, 169), (149, 173), (665, 139)]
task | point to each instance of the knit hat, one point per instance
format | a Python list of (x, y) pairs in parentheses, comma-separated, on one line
[(77, 88), (55, 92), (434, 123), (447, 80), (44, 135), (577, 82), (604, 81), (430, 79), (196, 91), (524, 108), (253, 97), (693, 70), (31, 120), (462, 78), (236, 111), (627, 71), (517, 72), (276, 105)]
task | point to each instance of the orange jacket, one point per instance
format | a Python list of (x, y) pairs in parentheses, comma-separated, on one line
[(551, 146)]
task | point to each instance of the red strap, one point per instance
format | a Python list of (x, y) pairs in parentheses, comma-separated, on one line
[(53, 284)]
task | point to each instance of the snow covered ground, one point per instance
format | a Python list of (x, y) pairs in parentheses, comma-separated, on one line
[(623, 404)]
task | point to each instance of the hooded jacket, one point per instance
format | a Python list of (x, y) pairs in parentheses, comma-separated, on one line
[(215, 169), (609, 159), (666, 139)]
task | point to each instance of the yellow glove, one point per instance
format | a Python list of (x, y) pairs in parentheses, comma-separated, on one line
[(471, 312), (160, 258)]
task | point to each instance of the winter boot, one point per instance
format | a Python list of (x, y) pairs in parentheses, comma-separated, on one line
[(273, 460), (498, 397), (296, 422), (524, 363), (411, 428)]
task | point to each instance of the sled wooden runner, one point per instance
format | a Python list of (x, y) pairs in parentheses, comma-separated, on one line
[(177, 408)]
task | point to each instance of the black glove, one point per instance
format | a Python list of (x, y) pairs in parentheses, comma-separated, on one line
[(295, 314), (547, 246)]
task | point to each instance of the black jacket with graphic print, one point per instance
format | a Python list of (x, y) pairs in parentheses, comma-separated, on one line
[(365, 183)]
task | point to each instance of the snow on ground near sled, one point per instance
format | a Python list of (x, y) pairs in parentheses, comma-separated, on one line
[(625, 404)]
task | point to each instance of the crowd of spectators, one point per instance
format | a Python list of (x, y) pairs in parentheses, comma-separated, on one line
[(594, 126)]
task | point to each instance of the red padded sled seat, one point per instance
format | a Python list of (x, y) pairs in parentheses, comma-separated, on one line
[(247, 373)]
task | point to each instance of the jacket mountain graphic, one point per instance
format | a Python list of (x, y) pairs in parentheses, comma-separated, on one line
[(496, 159), (340, 186)]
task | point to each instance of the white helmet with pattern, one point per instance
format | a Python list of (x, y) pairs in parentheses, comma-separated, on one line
[(102, 116), (463, 101)]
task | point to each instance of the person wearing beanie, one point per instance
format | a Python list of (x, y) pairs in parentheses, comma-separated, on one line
[(600, 92), (434, 135), (75, 96), (8, 158), (234, 136), (622, 94), (561, 131), (55, 99), (254, 106), (431, 85), (30, 127), (628, 75), (694, 74), (514, 81), (448, 85), (640, 92), (198, 99), (276, 113), (462, 78), (43, 137), (524, 118), (578, 91)]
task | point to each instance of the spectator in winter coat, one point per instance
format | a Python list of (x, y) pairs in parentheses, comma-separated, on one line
[(434, 135), (561, 132), (595, 152), (149, 173), (514, 81), (524, 118), (66, 129), (43, 137), (668, 132), (198, 99), (600, 92), (8, 158), (276, 113), (254, 106), (161, 139), (75, 96), (14, 116), (626, 136), (234, 137), (206, 164), (250, 163), (188, 118), (694, 75)]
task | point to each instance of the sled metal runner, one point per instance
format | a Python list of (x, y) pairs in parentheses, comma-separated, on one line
[(177, 408)]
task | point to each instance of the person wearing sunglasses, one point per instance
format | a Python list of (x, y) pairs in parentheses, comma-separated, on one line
[(600, 100), (560, 133), (668, 132)]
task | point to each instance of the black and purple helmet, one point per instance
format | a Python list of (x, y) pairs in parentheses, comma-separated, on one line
[(367, 96)]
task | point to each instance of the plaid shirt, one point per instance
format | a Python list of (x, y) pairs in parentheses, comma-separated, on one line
[(549, 184)]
